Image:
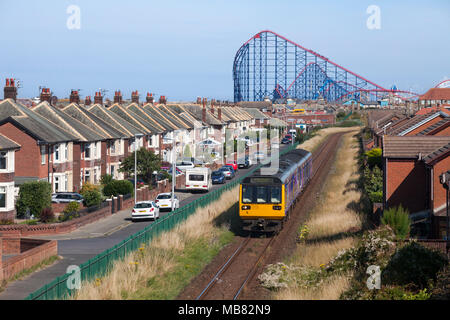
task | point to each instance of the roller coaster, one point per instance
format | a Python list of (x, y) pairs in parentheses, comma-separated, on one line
[(270, 66)]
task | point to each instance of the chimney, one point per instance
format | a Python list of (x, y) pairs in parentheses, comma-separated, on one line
[(118, 97), (87, 101), (204, 111), (162, 100), (149, 97), (98, 99), (199, 100), (74, 97), (45, 95), (219, 113), (10, 91), (212, 106), (135, 97)]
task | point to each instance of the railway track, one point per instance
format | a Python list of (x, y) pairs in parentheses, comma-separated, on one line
[(242, 265)]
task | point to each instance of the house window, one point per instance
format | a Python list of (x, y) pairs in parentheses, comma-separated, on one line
[(112, 171), (56, 150), (3, 160), (56, 184), (42, 154), (113, 147), (87, 176), (2, 197), (66, 151), (66, 180), (87, 150)]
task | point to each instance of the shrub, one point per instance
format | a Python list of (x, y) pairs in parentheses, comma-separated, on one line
[(441, 290), (374, 157), (105, 179), (116, 187), (47, 215), (92, 197), (413, 264), (398, 219), (72, 207), (35, 195), (87, 186)]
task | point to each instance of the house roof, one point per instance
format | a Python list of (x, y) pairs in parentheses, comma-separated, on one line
[(65, 121), (134, 119), (436, 94), (438, 126), (196, 111), (91, 121), (7, 144), (157, 124), (115, 120), (416, 122), (173, 117), (255, 113), (36, 125), (437, 154), (255, 104), (411, 147)]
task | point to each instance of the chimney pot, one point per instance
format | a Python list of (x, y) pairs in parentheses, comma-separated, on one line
[(10, 92)]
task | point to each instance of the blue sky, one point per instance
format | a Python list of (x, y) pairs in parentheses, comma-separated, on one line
[(185, 49)]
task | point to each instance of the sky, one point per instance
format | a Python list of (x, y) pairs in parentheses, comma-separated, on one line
[(185, 49)]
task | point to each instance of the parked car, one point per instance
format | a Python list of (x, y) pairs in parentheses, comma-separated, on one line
[(164, 201), (233, 164), (177, 170), (66, 197), (183, 165), (245, 163), (259, 155), (139, 181), (145, 210), (228, 171), (285, 141), (218, 177)]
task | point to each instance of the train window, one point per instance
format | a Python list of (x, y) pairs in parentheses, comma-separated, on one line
[(247, 194), (275, 195), (261, 194)]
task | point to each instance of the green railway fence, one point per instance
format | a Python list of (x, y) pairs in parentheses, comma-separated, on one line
[(101, 264)]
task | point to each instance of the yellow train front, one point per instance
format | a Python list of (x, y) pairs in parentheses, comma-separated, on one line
[(265, 201)]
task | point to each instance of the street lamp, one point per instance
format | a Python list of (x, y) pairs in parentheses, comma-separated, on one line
[(174, 174), (138, 135), (445, 181)]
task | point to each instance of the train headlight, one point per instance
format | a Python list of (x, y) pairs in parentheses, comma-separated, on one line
[(276, 207), (245, 207)]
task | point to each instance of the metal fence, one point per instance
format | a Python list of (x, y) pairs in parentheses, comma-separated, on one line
[(101, 264)]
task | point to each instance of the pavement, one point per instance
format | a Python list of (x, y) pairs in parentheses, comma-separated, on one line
[(85, 243)]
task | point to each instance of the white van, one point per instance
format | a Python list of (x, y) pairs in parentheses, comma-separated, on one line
[(198, 179)]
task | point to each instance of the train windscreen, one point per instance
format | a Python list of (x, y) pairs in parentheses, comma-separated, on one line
[(261, 194)]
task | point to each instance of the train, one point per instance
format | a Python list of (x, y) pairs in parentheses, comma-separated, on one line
[(265, 202)]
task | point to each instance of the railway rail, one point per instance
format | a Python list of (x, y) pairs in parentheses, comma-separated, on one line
[(241, 266)]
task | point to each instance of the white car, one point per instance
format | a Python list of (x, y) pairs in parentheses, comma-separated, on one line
[(145, 210), (164, 201)]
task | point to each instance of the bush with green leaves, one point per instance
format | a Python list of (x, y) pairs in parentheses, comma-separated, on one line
[(47, 215), (373, 183), (398, 219), (117, 187), (35, 195), (105, 179), (92, 197), (72, 207), (413, 264), (374, 157)]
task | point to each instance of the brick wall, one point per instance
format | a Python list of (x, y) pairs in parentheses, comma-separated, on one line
[(31, 252), (439, 196), (406, 184), (1, 260)]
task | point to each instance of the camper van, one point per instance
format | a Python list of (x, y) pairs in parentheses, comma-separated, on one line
[(198, 179)]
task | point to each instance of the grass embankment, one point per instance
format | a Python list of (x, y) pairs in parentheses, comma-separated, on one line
[(163, 268), (331, 227), (320, 136)]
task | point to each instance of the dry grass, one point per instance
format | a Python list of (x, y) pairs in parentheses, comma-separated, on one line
[(330, 222), (133, 273), (315, 141)]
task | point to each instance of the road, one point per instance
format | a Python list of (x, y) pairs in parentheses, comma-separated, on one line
[(85, 243)]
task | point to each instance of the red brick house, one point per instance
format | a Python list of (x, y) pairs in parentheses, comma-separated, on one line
[(411, 168), (434, 97), (44, 145), (8, 149)]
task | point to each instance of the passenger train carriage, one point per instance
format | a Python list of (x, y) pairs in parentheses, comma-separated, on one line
[(265, 202)]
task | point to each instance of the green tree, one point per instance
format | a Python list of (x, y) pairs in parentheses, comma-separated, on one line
[(374, 157), (116, 187), (398, 219), (147, 162), (34, 195), (105, 179)]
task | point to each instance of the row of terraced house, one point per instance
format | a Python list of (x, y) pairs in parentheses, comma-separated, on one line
[(70, 143), (415, 153)]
